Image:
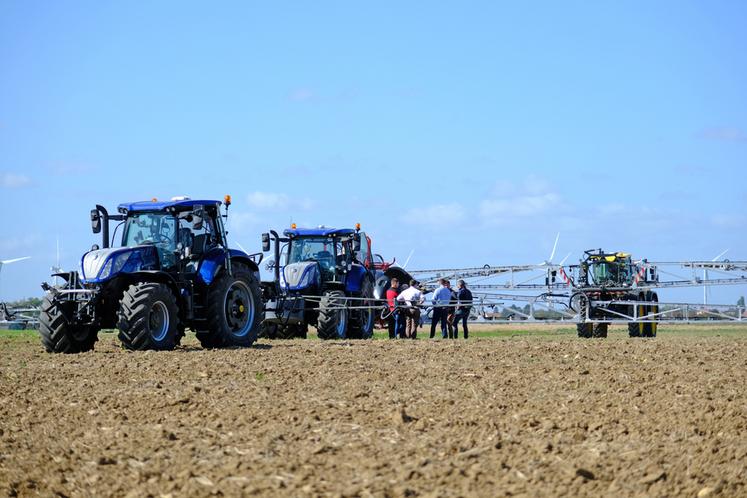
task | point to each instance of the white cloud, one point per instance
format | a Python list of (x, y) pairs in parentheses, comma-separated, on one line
[(534, 197), (301, 95), (13, 180), (724, 134), (519, 206), (19, 243), (267, 200), (613, 209), (728, 221), (437, 214), (241, 220), (72, 169), (272, 201)]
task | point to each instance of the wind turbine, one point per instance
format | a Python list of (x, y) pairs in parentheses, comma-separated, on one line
[(548, 262), (9, 261), (56, 268), (550, 278), (408, 259), (705, 278)]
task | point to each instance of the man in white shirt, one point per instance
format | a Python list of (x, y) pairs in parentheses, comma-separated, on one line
[(412, 298)]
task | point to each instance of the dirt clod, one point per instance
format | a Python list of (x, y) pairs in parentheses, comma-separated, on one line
[(586, 474)]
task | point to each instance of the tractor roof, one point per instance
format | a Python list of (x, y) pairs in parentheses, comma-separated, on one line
[(318, 232), (182, 205), (611, 258)]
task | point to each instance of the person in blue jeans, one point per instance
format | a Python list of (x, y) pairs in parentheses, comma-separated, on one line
[(396, 316), (464, 305), (441, 298)]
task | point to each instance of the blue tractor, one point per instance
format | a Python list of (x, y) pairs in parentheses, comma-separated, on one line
[(320, 278), (173, 270)]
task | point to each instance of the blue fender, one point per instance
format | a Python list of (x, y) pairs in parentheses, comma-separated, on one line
[(354, 281), (215, 259)]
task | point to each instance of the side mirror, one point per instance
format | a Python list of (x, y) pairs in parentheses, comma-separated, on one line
[(357, 243), (197, 218), (95, 221), (265, 242)]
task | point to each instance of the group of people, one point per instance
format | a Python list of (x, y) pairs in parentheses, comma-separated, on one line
[(450, 306)]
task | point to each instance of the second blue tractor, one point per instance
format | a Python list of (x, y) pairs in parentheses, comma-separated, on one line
[(321, 277)]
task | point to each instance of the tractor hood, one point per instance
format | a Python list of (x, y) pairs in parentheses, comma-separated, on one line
[(103, 264), (298, 276)]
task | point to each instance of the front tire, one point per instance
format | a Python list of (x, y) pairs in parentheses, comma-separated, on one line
[(599, 330), (148, 317), (649, 329), (278, 331), (362, 320), (58, 334), (234, 310), (585, 330), (333, 317)]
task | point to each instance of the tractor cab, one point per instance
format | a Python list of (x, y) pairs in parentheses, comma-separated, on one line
[(156, 236), (321, 257), (609, 269)]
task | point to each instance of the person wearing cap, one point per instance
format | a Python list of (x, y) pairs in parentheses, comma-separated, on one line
[(412, 298), (441, 298), (464, 305)]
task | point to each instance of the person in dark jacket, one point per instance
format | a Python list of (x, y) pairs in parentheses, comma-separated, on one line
[(464, 305), (451, 310)]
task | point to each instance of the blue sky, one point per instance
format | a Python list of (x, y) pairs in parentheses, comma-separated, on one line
[(471, 132)]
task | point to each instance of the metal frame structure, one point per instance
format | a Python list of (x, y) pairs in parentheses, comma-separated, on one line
[(560, 288)]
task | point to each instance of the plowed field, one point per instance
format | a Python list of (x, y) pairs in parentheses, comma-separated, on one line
[(540, 415)]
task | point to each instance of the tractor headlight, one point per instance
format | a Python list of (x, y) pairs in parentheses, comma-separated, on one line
[(114, 265), (299, 275)]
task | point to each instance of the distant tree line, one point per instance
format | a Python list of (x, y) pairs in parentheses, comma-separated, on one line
[(29, 302)]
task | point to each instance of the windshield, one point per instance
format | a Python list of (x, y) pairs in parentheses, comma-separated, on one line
[(319, 249), (158, 229), (606, 272)]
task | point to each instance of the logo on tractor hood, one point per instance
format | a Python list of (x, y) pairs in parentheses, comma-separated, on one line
[(297, 276), (102, 264)]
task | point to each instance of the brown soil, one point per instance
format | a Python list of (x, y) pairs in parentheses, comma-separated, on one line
[(562, 416)]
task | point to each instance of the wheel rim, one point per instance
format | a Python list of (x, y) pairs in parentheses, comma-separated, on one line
[(158, 321), (368, 320), (342, 323), (368, 313), (239, 309)]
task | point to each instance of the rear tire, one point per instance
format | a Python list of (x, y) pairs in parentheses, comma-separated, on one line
[(585, 330), (234, 312), (58, 335), (649, 329), (278, 331), (599, 330), (148, 317), (333, 316), (268, 330), (292, 332), (636, 329)]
